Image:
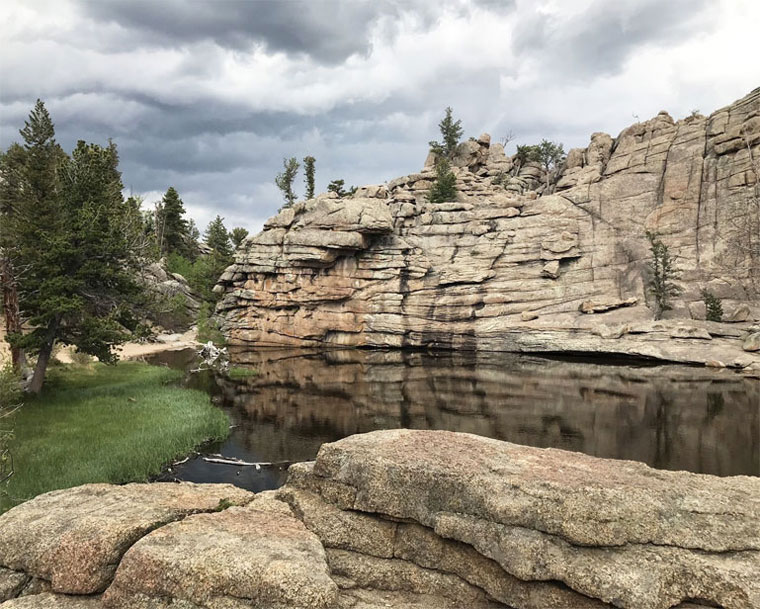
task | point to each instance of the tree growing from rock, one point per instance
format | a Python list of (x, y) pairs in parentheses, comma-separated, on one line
[(662, 272), (713, 306), (451, 133), (217, 237), (338, 187), (285, 179), (445, 186), (550, 155), (238, 235), (308, 167), (528, 154)]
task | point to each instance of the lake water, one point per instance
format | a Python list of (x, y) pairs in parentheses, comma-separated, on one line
[(670, 417)]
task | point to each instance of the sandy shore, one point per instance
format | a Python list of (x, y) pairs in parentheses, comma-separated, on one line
[(164, 342)]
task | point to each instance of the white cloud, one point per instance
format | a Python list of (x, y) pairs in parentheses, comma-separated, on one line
[(216, 121)]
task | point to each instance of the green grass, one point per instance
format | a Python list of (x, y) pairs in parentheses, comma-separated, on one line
[(102, 423), (237, 373)]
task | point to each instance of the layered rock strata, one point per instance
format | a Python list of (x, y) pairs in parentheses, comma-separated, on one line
[(402, 519), (522, 261)]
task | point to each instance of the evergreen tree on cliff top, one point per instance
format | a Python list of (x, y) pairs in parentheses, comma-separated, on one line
[(308, 167), (74, 238), (451, 132), (284, 180)]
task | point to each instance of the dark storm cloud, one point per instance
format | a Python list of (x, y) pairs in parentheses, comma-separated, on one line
[(599, 40), (176, 85), (327, 30)]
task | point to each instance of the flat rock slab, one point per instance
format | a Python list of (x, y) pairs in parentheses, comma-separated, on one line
[(53, 601), (74, 538), (260, 555), (581, 499)]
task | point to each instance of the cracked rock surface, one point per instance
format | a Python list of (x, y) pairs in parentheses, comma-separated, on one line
[(398, 518), (521, 261)]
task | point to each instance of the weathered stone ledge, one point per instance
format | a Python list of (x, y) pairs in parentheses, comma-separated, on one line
[(396, 519), (522, 261)]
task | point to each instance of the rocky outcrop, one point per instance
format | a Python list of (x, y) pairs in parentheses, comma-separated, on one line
[(72, 540), (400, 518), (508, 265), (175, 305)]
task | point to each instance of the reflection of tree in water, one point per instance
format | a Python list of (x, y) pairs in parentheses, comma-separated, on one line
[(669, 417), (715, 404), (664, 424)]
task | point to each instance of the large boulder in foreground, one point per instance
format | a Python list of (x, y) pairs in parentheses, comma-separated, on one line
[(614, 532), (403, 519), (74, 538), (258, 555)]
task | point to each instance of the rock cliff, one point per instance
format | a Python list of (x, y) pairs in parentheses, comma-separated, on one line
[(522, 260), (404, 519)]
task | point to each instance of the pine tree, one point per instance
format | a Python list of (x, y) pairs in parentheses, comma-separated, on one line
[(238, 235), (451, 131), (308, 167), (80, 287), (528, 154), (173, 229), (713, 306), (217, 237), (550, 155), (445, 186), (28, 182), (662, 271), (339, 188), (285, 179)]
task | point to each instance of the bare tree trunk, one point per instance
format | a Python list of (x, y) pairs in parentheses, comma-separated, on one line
[(11, 310), (43, 359)]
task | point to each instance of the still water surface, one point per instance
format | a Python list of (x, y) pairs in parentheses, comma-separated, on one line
[(670, 417)]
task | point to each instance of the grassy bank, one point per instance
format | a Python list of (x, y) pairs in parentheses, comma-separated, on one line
[(106, 424)]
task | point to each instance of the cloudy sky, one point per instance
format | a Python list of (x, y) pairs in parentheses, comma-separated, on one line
[(210, 95)]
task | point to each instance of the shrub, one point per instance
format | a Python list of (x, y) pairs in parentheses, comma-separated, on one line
[(10, 399), (208, 328), (713, 306), (337, 186), (445, 186)]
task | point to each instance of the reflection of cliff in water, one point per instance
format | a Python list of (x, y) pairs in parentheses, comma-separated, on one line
[(669, 417)]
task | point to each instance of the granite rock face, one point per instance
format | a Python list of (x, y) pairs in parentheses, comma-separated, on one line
[(518, 252), (401, 518), (529, 527), (74, 538)]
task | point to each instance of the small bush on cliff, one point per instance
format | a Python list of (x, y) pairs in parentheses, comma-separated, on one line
[(445, 186), (451, 132), (338, 187), (713, 306), (528, 154), (662, 271), (285, 179)]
